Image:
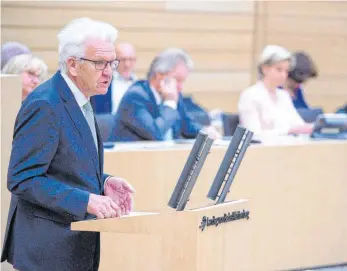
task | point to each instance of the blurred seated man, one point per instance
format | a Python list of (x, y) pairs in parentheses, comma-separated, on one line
[(342, 109), (11, 49), (302, 68), (122, 79), (31, 68), (263, 107), (153, 109)]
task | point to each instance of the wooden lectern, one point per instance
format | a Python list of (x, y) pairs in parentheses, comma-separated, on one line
[(202, 239)]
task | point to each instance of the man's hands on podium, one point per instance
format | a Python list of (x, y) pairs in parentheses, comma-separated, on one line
[(118, 199)]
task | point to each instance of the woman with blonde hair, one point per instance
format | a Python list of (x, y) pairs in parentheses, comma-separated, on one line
[(264, 108), (31, 68)]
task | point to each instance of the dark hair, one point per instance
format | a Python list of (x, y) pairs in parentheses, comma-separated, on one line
[(302, 67)]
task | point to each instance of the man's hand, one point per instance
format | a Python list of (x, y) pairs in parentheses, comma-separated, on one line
[(103, 206), (212, 132), (168, 90), (121, 193)]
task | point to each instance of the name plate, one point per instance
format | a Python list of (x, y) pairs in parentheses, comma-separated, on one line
[(227, 217)]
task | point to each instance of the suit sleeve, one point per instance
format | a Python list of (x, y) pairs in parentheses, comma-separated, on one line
[(35, 142), (190, 128), (138, 119)]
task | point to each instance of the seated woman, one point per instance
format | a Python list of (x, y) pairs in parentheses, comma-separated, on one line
[(32, 70), (263, 107)]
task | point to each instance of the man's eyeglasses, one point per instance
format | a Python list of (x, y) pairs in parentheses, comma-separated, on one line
[(101, 65)]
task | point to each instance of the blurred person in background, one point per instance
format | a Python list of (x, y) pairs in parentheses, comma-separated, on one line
[(32, 70), (122, 79), (266, 109), (342, 109), (11, 49), (153, 109), (302, 68)]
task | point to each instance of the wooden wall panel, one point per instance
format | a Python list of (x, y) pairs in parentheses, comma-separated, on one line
[(320, 29), (40, 38), (223, 38), (56, 17), (219, 39)]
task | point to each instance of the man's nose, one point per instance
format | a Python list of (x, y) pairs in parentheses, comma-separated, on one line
[(107, 70)]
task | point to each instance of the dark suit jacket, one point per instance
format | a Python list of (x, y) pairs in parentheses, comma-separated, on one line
[(102, 104), (140, 118), (54, 166)]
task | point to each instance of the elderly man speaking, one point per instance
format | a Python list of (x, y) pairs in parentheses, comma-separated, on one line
[(56, 166)]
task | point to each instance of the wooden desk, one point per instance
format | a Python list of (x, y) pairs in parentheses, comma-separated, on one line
[(154, 171), (297, 190)]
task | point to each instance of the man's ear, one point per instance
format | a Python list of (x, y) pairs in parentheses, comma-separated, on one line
[(72, 65)]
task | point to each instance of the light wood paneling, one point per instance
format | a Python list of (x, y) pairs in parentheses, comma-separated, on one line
[(212, 6), (56, 17), (320, 29), (302, 26), (214, 82), (322, 9), (224, 39), (143, 5), (217, 81), (143, 39), (226, 101)]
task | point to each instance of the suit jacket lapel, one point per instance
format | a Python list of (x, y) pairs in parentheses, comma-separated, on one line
[(78, 119), (149, 91)]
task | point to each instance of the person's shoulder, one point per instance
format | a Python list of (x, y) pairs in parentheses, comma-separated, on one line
[(45, 95), (255, 88), (252, 92), (138, 90)]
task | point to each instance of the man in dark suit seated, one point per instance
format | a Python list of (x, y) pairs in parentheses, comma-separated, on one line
[(153, 109), (55, 173)]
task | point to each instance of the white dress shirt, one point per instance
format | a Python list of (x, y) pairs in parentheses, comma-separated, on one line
[(263, 115), (119, 86), (173, 104)]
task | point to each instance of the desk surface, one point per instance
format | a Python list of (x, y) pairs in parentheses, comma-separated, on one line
[(154, 168), (187, 144)]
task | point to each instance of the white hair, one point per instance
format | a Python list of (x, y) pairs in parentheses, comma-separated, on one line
[(271, 55), (167, 60), (73, 36), (22, 63)]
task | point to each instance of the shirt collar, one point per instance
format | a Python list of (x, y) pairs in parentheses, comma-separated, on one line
[(79, 96), (156, 95)]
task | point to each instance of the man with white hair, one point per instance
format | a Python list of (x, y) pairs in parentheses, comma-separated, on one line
[(153, 109), (56, 168)]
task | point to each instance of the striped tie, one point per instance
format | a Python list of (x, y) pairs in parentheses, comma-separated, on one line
[(89, 115)]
